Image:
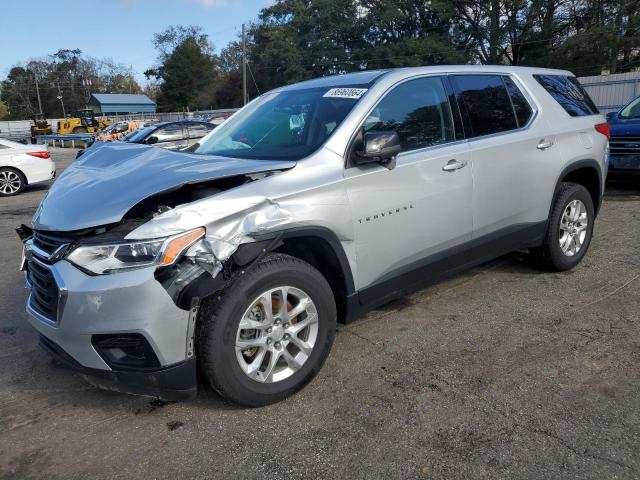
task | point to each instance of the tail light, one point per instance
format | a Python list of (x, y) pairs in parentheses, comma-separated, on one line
[(604, 129), (39, 154)]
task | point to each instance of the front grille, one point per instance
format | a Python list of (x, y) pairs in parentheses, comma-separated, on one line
[(624, 145), (44, 291), (48, 243)]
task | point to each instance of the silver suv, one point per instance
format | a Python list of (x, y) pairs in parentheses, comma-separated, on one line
[(314, 203)]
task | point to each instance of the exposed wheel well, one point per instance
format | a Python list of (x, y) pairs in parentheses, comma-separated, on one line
[(321, 255), (589, 178)]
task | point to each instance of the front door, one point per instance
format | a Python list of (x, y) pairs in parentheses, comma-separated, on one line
[(420, 211)]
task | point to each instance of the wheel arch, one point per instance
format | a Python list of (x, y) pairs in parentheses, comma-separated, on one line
[(318, 246), (587, 173), (321, 248)]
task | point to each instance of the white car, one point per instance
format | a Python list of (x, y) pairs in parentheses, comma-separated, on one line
[(22, 165)]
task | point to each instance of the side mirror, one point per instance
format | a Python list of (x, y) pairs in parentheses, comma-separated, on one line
[(380, 147), (151, 140), (611, 115)]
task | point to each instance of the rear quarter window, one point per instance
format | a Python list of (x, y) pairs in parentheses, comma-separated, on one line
[(568, 92), (486, 102), (521, 106)]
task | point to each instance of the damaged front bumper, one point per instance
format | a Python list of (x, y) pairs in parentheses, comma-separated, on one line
[(174, 382), (123, 331)]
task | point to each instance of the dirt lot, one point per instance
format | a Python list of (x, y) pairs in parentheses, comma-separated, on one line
[(502, 372)]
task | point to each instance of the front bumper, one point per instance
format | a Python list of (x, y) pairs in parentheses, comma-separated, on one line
[(176, 382), (128, 303)]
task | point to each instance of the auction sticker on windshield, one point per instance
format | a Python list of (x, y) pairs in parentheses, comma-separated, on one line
[(345, 92)]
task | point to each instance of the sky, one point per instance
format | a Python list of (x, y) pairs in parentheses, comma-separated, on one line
[(118, 29)]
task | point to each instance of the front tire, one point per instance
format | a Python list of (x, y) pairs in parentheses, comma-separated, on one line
[(570, 229), (12, 182), (268, 333)]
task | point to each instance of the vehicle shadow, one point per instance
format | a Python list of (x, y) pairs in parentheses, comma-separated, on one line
[(37, 187), (622, 186), (76, 391)]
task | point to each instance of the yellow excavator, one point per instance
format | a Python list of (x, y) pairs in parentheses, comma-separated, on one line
[(83, 121)]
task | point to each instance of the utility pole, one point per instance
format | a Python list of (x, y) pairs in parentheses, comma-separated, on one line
[(38, 93), (244, 67), (61, 102), (87, 83)]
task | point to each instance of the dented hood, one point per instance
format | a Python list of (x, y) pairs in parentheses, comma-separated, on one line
[(108, 180)]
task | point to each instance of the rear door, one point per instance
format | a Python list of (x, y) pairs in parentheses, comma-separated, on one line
[(418, 213), (513, 152)]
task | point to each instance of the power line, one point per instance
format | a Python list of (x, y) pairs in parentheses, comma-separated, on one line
[(254, 79)]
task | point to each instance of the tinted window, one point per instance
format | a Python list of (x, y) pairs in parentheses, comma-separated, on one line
[(418, 110), (520, 105), (487, 103), (568, 92), (169, 133), (199, 130)]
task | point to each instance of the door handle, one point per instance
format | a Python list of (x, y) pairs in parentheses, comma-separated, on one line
[(544, 144), (453, 165)]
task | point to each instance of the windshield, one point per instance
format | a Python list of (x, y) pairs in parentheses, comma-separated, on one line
[(632, 110), (282, 125), (138, 135)]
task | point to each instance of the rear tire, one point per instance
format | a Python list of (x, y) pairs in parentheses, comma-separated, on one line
[(569, 231), (80, 130), (12, 182), (237, 362)]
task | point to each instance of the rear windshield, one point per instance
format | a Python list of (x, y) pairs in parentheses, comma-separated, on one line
[(568, 92)]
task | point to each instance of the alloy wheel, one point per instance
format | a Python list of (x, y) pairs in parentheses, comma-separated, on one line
[(10, 182), (573, 228), (276, 334)]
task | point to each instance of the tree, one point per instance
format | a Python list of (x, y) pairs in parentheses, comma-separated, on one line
[(4, 111), (598, 35), (228, 91), (186, 71), (404, 33), (19, 94), (585, 36), (296, 40), (65, 74)]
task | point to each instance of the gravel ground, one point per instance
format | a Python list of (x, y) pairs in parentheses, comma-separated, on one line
[(501, 372)]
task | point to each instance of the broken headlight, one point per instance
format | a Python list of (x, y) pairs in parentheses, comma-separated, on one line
[(117, 257)]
